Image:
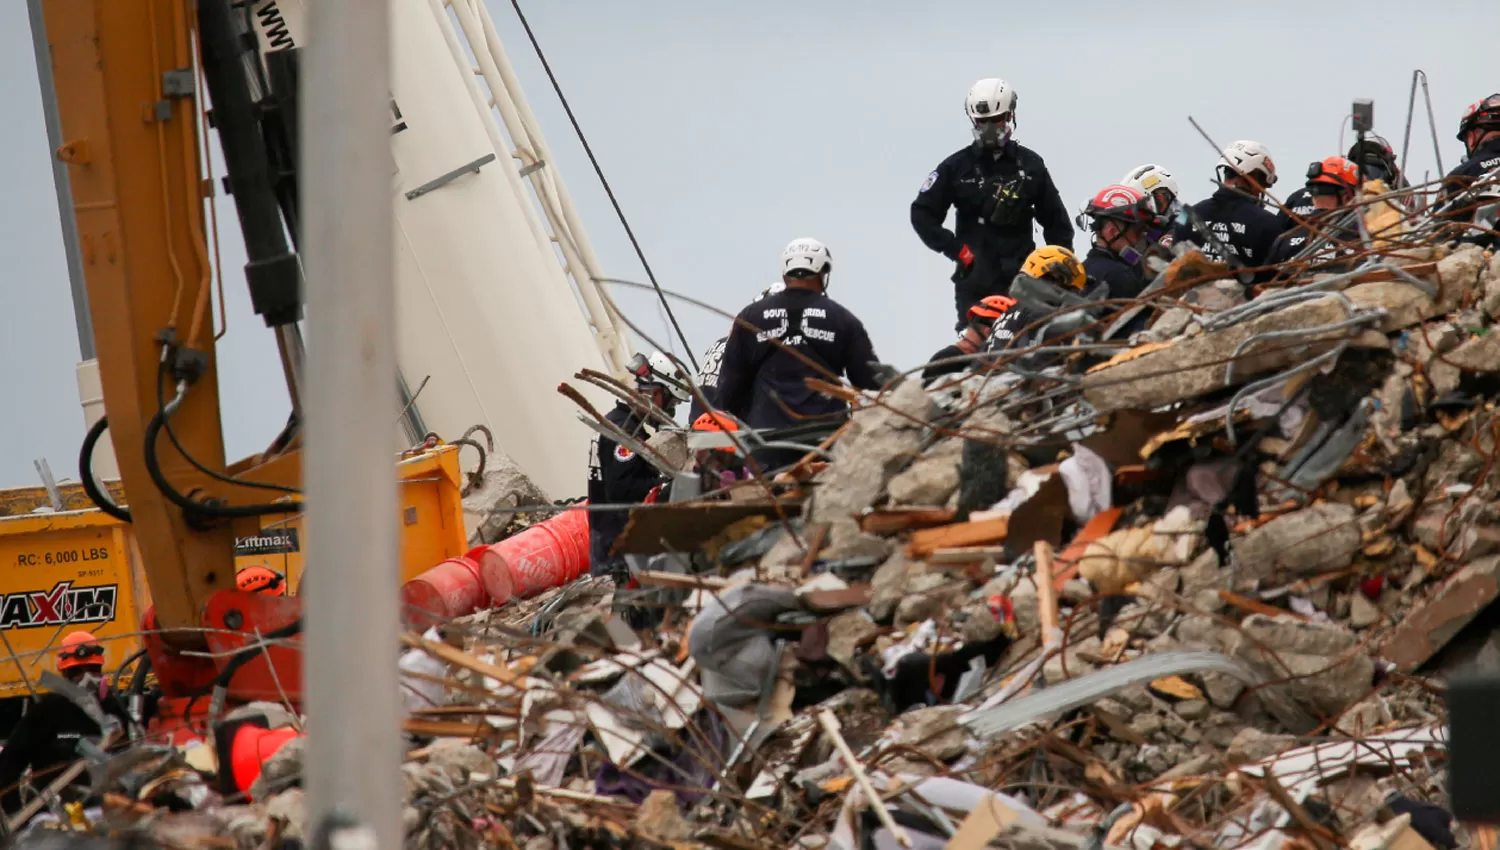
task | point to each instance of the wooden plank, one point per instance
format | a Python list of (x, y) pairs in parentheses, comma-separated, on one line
[(686, 526), (1252, 606), (459, 658), (983, 532), (443, 728), (890, 521), (662, 578), (1101, 524)]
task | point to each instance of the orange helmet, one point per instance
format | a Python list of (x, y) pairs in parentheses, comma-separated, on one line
[(1334, 171), (260, 580), (79, 649), (712, 420), (991, 307)]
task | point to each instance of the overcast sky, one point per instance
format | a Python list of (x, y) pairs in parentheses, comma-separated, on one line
[(729, 129)]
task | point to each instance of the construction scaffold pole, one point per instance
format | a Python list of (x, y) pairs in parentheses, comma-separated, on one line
[(353, 767)]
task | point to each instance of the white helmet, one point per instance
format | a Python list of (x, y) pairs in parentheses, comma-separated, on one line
[(988, 99), (1248, 158), (1150, 180), (666, 373), (774, 289), (805, 257)]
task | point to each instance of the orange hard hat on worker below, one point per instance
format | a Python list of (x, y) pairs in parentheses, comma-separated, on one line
[(714, 421), (79, 649), (1334, 171), (260, 580), (991, 307)]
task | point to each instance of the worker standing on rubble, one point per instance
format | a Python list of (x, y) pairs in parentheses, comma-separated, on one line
[(47, 737), (1331, 185), (1479, 130), (708, 373), (777, 343), (1121, 220), (999, 189), (620, 476), (1239, 229), (982, 319)]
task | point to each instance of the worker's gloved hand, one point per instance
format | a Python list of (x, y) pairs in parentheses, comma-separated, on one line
[(966, 258)]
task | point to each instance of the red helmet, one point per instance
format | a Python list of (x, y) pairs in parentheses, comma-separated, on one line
[(1334, 171), (79, 649), (1485, 113), (260, 580), (1121, 203), (991, 307)]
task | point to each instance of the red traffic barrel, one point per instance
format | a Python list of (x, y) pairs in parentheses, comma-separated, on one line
[(547, 555), (451, 589)]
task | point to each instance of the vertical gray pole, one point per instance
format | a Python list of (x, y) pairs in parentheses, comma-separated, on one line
[(353, 768), (60, 181)]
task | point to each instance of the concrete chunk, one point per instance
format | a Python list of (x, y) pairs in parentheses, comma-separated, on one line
[(1477, 354), (1316, 539), (1431, 626)]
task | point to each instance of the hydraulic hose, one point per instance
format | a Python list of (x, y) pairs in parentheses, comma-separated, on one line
[(91, 488), (153, 466)]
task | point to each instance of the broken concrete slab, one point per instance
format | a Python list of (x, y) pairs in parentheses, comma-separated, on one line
[(1192, 367), (1324, 667), (1476, 354), (931, 479), (1252, 745), (848, 631), (1431, 625), (659, 818), (1362, 612), (888, 585), (881, 439), (489, 509), (927, 596), (934, 731), (1319, 538)]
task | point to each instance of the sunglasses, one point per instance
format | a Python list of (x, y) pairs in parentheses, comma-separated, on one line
[(997, 118)]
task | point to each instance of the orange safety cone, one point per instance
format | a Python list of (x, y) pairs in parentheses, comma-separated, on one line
[(243, 747), (547, 555)]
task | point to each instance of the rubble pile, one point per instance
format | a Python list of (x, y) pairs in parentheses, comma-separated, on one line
[(1190, 592)]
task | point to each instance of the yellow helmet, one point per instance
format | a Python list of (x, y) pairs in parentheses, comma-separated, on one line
[(1056, 264)]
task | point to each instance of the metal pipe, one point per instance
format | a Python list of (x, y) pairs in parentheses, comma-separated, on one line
[(352, 615), (61, 182)]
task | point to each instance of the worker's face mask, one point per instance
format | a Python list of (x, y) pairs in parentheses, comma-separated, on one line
[(993, 132)]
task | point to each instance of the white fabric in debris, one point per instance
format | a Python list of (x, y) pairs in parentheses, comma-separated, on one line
[(1090, 484)]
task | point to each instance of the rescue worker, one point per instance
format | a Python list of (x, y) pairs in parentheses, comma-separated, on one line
[(708, 373), (1331, 184), (999, 189), (1377, 161), (1479, 130), (260, 579), (779, 342), (1121, 220), (1051, 283), (1240, 230), (47, 737), (620, 476), (1162, 189), (721, 466), (982, 318)]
